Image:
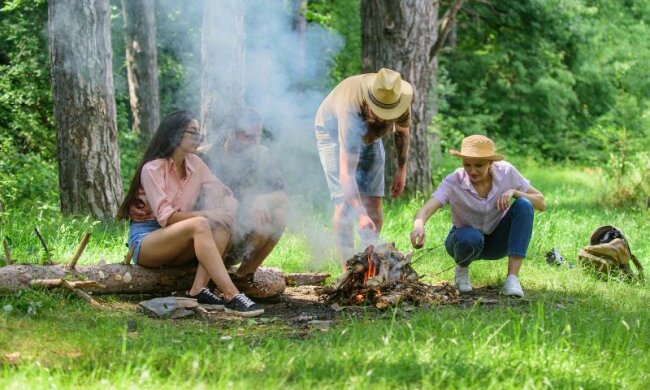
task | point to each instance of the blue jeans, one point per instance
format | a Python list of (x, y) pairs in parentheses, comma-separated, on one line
[(510, 238), (137, 232)]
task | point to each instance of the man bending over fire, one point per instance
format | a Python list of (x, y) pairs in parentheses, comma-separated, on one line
[(349, 126), (246, 167)]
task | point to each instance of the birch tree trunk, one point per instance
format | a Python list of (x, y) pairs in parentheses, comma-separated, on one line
[(399, 35), (84, 107), (222, 63), (142, 65)]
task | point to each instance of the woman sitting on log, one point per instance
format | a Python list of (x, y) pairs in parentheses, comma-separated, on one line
[(164, 229), (485, 224)]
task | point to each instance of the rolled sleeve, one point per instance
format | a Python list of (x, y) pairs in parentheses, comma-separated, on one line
[(520, 183), (443, 192), (153, 183)]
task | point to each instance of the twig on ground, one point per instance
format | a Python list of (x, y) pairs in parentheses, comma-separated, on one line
[(5, 244), (81, 294), (48, 258), (80, 250)]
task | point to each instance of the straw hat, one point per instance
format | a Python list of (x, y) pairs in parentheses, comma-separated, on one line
[(477, 146), (388, 95)]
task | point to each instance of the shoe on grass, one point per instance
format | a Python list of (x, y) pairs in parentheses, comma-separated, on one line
[(461, 279), (241, 305), (206, 299), (512, 287)]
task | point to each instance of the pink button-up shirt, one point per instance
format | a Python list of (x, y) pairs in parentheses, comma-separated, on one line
[(163, 192), (467, 207)]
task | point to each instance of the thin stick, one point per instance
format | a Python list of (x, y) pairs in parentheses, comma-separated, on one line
[(129, 255), (46, 282), (48, 259), (80, 250), (81, 294), (5, 244)]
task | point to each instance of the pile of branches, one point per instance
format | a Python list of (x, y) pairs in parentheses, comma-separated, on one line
[(384, 277)]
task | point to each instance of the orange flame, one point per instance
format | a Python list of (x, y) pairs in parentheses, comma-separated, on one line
[(372, 270)]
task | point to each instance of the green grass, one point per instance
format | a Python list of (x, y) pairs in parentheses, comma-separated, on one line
[(572, 331)]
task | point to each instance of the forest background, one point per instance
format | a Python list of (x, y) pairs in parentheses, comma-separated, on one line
[(562, 81), (561, 85)]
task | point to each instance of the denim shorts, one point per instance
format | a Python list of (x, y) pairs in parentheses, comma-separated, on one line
[(370, 171), (137, 232)]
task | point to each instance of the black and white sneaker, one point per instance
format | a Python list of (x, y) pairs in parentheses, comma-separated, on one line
[(241, 305), (206, 299)]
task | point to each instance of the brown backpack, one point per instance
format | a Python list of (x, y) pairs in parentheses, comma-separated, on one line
[(609, 253)]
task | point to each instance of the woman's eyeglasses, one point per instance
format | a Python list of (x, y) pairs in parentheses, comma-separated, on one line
[(196, 135)]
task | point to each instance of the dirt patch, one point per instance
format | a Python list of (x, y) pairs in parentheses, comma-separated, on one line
[(489, 296), (301, 308)]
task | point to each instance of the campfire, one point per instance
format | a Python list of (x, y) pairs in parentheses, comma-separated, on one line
[(383, 276)]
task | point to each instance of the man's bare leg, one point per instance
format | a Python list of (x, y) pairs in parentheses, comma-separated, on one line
[(264, 242), (343, 231)]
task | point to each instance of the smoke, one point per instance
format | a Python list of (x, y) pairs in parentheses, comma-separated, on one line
[(285, 77)]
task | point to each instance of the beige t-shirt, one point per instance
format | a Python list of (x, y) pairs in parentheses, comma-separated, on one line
[(343, 114)]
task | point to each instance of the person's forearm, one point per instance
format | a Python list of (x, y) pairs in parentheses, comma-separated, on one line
[(425, 212), (421, 218), (183, 215), (402, 147), (351, 195), (537, 200)]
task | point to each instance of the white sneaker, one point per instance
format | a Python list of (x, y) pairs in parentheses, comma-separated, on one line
[(512, 287), (461, 279)]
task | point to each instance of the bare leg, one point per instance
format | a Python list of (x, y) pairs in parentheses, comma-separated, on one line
[(180, 242), (342, 225), (221, 237), (514, 264), (374, 208), (264, 242)]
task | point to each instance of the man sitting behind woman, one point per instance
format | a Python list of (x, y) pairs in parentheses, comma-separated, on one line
[(165, 229), (484, 223)]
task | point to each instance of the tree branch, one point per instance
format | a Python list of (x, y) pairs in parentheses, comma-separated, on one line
[(446, 24)]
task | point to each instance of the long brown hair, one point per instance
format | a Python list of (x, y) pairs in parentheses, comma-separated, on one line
[(165, 140)]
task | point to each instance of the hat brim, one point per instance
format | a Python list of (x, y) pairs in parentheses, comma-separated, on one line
[(494, 157), (406, 98)]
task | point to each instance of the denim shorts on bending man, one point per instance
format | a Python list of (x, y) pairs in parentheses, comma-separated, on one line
[(137, 232), (370, 171)]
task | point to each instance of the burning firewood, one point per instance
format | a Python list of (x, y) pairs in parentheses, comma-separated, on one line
[(383, 276)]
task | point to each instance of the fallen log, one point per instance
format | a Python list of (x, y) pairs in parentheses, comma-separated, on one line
[(306, 279), (118, 278), (109, 278)]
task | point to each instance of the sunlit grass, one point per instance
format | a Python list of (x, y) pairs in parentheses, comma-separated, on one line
[(570, 331)]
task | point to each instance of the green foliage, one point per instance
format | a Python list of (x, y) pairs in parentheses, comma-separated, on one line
[(27, 133), (539, 74), (26, 101), (344, 17), (178, 38)]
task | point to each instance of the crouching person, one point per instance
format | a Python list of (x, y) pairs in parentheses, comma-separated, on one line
[(485, 223), (247, 168), (164, 229)]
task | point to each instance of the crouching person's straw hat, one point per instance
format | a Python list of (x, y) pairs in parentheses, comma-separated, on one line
[(388, 95), (477, 146)]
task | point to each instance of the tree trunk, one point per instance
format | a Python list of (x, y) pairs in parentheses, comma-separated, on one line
[(84, 107), (222, 63), (399, 35), (142, 65)]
